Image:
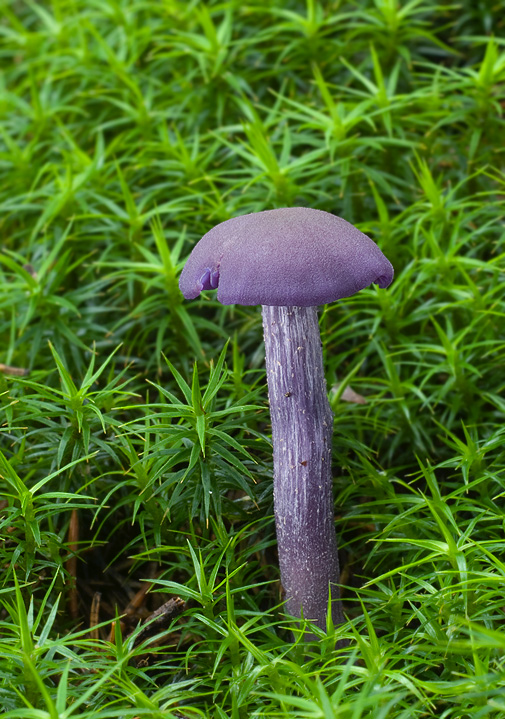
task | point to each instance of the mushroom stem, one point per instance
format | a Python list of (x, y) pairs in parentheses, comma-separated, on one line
[(302, 424)]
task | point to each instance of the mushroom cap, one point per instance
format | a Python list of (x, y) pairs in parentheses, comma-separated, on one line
[(292, 256)]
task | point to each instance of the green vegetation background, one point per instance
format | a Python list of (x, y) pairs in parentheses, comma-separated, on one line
[(127, 130)]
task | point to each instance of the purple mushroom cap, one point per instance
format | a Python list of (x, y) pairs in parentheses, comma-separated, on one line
[(292, 256)]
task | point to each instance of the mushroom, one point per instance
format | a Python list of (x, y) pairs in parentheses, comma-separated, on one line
[(290, 260)]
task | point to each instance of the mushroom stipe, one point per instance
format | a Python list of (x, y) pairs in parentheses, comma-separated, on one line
[(302, 427), (290, 260)]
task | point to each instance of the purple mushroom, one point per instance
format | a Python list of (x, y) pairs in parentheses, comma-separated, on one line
[(291, 260)]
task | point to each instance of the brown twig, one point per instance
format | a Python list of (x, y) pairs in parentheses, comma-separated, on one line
[(71, 564), (160, 619), (93, 615), (15, 371)]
